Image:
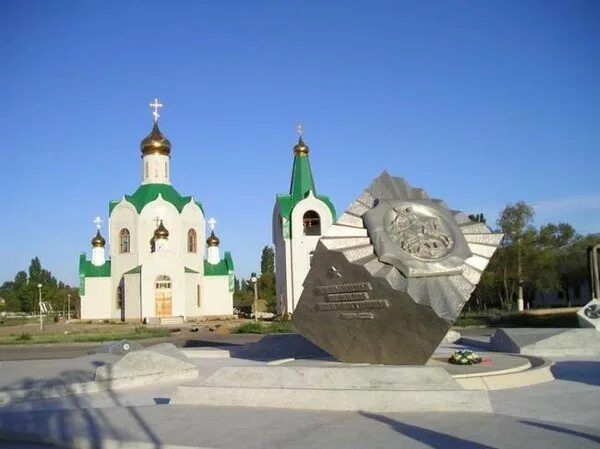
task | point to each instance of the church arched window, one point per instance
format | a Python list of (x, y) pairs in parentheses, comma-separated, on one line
[(311, 223), (163, 282), (124, 239), (192, 241)]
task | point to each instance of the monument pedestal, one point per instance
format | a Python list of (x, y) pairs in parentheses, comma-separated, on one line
[(351, 388), (589, 315)]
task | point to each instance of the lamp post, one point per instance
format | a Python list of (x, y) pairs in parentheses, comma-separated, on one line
[(40, 305), (253, 280), (68, 308)]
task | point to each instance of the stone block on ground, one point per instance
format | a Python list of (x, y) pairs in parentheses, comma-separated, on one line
[(349, 388), (162, 362), (547, 342), (589, 315)]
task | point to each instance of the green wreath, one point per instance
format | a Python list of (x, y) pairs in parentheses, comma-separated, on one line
[(464, 358)]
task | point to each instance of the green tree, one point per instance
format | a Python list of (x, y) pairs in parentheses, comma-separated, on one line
[(515, 222), (267, 260)]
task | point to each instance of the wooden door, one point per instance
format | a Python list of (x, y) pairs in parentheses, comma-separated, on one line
[(163, 303)]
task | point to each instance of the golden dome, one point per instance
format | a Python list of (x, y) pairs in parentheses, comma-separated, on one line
[(161, 232), (155, 143), (98, 241), (212, 239), (301, 148)]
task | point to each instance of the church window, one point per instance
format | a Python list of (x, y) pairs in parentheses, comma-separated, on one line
[(198, 295), (192, 241), (310, 258), (146, 171), (124, 239), (163, 282), (311, 223), (165, 169), (152, 244)]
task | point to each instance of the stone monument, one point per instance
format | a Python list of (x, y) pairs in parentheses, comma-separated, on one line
[(589, 315), (389, 278)]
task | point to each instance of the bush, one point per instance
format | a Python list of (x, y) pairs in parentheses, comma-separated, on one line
[(260, 328)]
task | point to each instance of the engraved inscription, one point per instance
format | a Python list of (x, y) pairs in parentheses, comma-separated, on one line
[(358, 305), (418, 234), (357, 316), (357, 296), (343, 288)]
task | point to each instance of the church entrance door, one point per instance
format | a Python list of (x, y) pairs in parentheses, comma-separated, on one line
[(162, 296)]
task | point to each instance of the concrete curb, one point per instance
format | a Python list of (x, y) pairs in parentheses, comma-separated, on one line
[(87, 443), (93, 386)]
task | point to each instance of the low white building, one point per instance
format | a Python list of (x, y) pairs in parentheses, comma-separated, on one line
[(300, 217), (157, 268)]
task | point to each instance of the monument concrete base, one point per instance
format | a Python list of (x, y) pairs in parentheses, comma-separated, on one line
[(589, 315), (350, 388), (547, 342)]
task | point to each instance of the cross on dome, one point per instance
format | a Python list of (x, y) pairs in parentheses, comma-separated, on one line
[(98, 222), (157, 220), (155, 105), (300, 128), (211, 223)]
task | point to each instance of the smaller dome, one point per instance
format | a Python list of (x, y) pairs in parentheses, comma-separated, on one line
[(161, 232), (155, 143), (212, 239), (301, 148), (98, 241)]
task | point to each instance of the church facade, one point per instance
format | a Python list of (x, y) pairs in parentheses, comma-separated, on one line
[(300, 217), (158, 269)]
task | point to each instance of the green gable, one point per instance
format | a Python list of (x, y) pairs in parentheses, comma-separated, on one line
[(147, 193), (223, 268), (88, 270)]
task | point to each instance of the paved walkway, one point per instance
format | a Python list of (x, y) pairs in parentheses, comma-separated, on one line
[(559, 414)]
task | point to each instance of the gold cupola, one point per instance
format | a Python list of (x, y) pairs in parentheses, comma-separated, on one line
[(161, 232), (212, 239), (301, 149), (98, 241), (155, 143)]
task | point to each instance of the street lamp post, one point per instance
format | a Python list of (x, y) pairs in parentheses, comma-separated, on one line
[(40, 306), (253, 280), (68, 308)]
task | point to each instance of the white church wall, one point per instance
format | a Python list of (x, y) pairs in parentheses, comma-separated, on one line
[(132, 296), (123, 216), (193, 218), (165, 263), (96, 303), (155, 169), (302, 245), (165, 211), (216, 299), (192, 286)]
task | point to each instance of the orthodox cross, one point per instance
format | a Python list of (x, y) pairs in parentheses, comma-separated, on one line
[(211, 223), (300, 128), (157, 220), (98, 222), (155, 105)]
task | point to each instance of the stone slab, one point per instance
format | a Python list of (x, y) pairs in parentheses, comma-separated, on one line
[(547, 342), (589, 315), (162, 361), (351, 388)]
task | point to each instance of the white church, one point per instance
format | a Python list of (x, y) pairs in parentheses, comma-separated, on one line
[(300, 217), (158, 269)]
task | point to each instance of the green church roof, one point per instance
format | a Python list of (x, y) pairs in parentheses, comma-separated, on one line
[(302, 183), (147, 193), (223, 268), (88, 270)]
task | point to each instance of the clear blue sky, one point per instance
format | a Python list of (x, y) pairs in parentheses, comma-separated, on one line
[(480, 103)]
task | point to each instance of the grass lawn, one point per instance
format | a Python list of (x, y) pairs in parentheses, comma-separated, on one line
[(563, 319), (274, 327), (93, 334)]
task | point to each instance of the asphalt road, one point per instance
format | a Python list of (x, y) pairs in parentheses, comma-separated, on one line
[(71, 350)]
